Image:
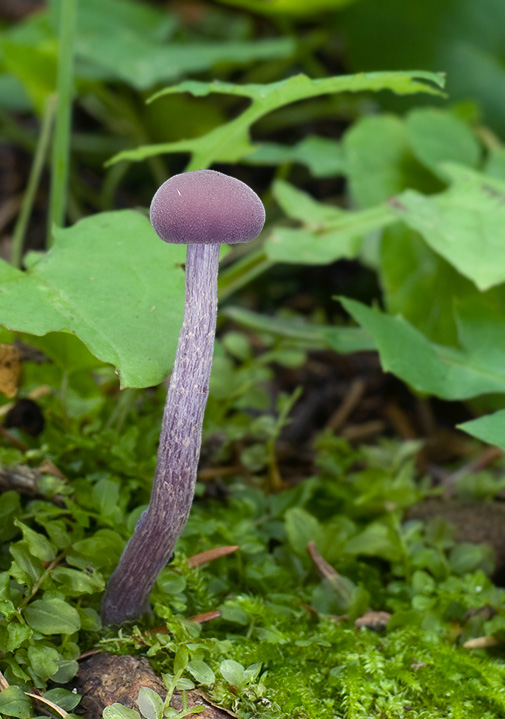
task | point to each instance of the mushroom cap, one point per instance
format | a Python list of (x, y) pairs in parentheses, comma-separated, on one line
[(206, 207)]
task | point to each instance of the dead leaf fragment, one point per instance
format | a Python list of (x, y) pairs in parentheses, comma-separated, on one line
[(482, 642), (10, 369), (376, 621)]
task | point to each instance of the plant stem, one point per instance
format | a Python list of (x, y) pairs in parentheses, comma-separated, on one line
[(33, 182), (243, 271), (151, 546), (61, 142)]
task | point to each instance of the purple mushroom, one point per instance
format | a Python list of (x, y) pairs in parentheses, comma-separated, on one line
[(202, 209)]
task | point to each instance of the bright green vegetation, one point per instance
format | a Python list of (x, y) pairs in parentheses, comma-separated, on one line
[(305, 662), (360, 159)]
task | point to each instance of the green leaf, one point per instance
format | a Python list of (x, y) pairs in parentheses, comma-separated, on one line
[(328, 233), (38, 545), (323, 156), (490, 428), (230, 142), (118, 711), (232, 672), (26, 568), (44, 661), (142, 63), (64, 698), (378, 539), (201, 672), (443, 371), (14, 703), (52, 616), (466, 557), (17, 635), (342, 339), (465, 224), (297, 8), (379, 161), (302, 528), (111, 265), (437, 136), (421, 285), (74, 582), (150, 703)]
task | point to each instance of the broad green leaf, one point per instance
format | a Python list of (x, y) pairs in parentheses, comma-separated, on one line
[(75, 582), (440, 370), (201, 672), (38, 544), (378, 539), (437, 136), (118, 711), (112, 282), (327, 233), (379, 161), (465, 224), (419, 284), (142, 64), (323, 156), (302, 528), (44, 661), (232, 672), (466, 557), (17, 634), (26, 568), (299, 205), (64, 698), (150, 703), (15, 703), (490, 428), (52, 616), (102, 550), (230, 142)]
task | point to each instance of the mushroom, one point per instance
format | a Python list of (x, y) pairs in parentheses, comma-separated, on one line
[(202, 209)]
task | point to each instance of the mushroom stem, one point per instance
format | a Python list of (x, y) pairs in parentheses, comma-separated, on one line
[(157, 531)]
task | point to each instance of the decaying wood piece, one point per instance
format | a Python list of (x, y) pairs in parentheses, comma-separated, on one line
[(104, 679), (25, 480)]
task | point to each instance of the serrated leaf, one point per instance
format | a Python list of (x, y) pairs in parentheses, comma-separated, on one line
[(52, 616), (230, 142), (111, 281), (150, 703), (465, 224), (446, 372)]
